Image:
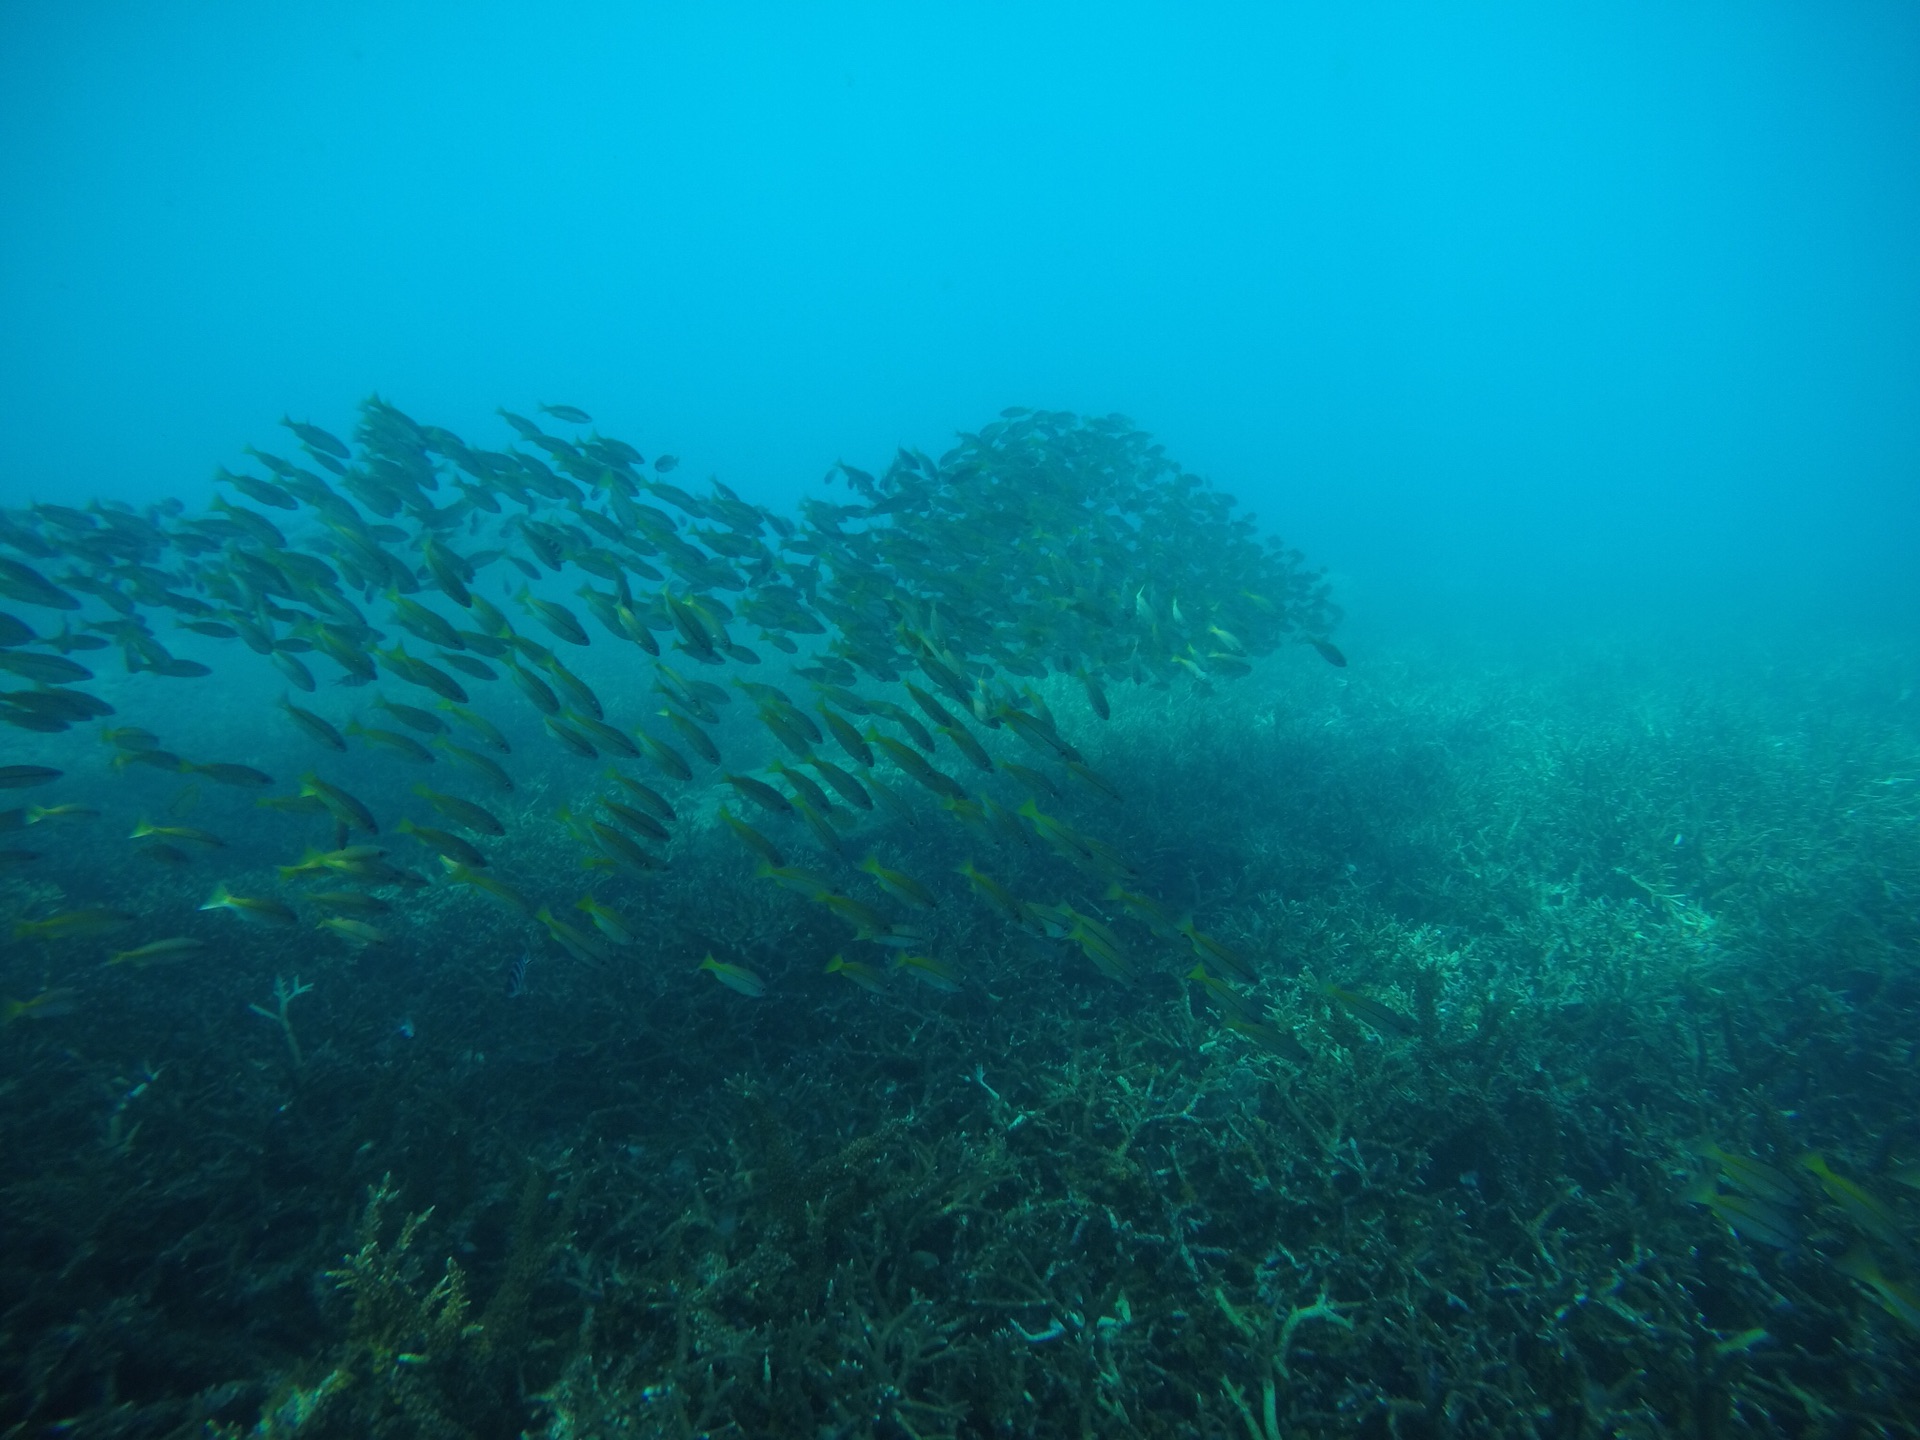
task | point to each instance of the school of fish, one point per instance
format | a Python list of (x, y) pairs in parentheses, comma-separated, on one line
[(916, 615), (906, 628)]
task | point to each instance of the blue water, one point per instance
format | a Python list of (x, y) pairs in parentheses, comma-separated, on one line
[(953, 929), (1608, 311)]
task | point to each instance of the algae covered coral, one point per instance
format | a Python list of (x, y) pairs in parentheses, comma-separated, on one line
[(616, 959)]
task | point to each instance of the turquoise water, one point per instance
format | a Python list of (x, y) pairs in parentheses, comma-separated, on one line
[(602, 832)]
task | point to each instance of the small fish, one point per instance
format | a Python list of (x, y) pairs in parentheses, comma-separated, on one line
[(572, 739), (804, 786), (19, 777), (797, 879), (318, 439), (145, 829), (1205, 947), (891, 800), (849, 738), (908, 760), (264, 491), (1270, 1038), (1155, 917), (936, 974), (444, 843), (753, 839), (1220, 992), (610, 922), (481, 765), (67, 641), (418, 672), (1035, 782), (317, 727), (1383, 1018), (621, 847), (413, 717), (1865, 1209), (641, 824), (1755, 1177), (293, 804), (668, 760), (262, 908), (652, 799), (473, 879), (844, 785), (697, 739), (568, 414), (907, 721), (996, 895), (404, 746), (1096, 697), (933, 709), (479, 724), (44, 668), (735, 977), (783, 730), (451, 572), (901, 884), (346, 808), (760, 793), (223, 773), (44, 1006), (360, 861), (73, 925), (694, 637), (1070, 844), (156, 757), (130, 737), (1038, 733), (517, 974), (861, 974), (827, 837), (1902, 1301), (295, 670), (463, 812), (467, 664), (1093, 780), (429, 625), (1099, 944), (1747, 1217), (1329, 653), (975, 752), (555, 617), (27, 585), (603, 735), (349, 902), (40, 814), (357, 932)]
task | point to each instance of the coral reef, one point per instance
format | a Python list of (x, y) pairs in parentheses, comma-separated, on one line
[(1613, 911)]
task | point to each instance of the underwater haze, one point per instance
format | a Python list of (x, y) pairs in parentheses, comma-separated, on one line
[(1613, 308), (915, 722)]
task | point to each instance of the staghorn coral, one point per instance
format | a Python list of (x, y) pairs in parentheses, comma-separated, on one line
[(1052, 1204)]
